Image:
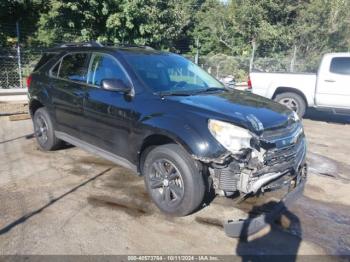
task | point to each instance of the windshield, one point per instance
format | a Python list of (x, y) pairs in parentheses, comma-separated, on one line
[(170, 73)]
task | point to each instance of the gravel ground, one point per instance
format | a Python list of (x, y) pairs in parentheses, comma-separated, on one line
[(71, 202)]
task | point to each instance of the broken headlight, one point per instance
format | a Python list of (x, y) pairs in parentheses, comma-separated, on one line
[(232, 137)]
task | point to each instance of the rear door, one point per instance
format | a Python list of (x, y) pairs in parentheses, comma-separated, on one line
[(333, 85), (68, 90)]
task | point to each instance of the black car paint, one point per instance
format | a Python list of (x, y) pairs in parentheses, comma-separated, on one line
[(121, 123)]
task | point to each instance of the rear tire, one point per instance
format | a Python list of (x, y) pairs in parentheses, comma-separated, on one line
[(292, 101), (44, 130), (173, 180)]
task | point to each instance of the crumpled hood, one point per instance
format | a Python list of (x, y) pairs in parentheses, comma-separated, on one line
[(252, 111)]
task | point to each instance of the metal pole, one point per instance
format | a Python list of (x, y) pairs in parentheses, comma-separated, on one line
[(7, 78), (252, 57), (19, 57), (292, 62), (197, 52)]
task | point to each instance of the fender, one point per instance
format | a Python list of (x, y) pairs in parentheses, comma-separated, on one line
[(199, 143), (42, 97), (306, 90), (41, 94)]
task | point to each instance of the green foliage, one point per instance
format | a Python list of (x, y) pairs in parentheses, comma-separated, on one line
[(323, 26), (144, 22), (23, 11), (233, 27), (275, 27)]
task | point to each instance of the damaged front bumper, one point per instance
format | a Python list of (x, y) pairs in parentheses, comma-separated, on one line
[(275, 163), (254, 223), (269, 159)]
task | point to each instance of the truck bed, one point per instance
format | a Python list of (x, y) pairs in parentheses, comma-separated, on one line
[(264, 84)]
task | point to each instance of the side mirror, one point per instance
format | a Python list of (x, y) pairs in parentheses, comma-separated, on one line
[(115, 85)]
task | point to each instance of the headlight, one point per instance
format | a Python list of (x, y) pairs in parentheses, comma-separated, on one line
[(232, 137)]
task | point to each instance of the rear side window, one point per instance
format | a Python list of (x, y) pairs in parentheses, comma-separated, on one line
[(105, 67), (340, 65), (44, 59), (74, 67)]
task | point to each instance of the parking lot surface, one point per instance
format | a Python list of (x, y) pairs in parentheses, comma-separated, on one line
[(71, 202)]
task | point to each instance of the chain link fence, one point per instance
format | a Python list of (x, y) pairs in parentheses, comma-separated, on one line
[(9, 69), (18, 61), (16, 66), (220, 66)]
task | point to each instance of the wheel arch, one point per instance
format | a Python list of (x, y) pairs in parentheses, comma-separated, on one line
[(154, 140), (34, 105), (283, 89)]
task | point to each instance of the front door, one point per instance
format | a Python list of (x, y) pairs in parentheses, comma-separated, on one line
[(108, 114)]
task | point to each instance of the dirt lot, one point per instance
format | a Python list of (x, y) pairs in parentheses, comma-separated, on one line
[(71, 202)]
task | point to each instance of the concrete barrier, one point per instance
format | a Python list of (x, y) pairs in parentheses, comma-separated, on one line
[(13, 101), (14, 95)]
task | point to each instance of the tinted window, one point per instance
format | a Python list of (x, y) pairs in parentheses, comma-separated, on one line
[(340, 65), (73, 67), (105, 67), (164, 72), (43, 60)]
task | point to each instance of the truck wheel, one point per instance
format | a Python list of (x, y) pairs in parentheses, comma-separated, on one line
[(293, 101), (44, 130), (173, 180)]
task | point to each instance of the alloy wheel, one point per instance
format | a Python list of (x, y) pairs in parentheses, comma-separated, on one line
[(290, 103), (166, 182), (41, 129)]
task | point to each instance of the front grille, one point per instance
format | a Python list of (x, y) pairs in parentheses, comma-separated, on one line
[(280, 132), (286, 147), (285, 154)]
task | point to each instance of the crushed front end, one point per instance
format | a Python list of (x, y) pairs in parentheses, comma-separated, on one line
[(275, 160), (275, 154)]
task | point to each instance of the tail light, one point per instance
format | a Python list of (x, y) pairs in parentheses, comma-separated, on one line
[(249, 83), (29, 80)]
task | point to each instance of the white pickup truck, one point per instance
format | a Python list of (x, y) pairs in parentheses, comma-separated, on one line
[(329, 89)]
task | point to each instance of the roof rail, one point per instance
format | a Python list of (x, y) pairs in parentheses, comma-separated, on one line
[(128, 45), (82, 44)]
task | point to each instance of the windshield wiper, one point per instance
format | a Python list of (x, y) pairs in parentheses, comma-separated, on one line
[(173, 93), (188, 92), (210, 89)]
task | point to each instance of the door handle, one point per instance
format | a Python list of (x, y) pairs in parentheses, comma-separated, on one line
[(79, 93), (329, 80)]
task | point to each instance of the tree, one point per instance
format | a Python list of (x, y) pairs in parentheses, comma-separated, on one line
[(145, 22), (235, 26), (217, 29), (323, 26), (25, 12)]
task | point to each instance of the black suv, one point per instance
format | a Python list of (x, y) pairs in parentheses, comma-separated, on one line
[(164, 117)]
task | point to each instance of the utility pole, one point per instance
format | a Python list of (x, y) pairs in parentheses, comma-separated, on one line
[(197, 52), (19, 57)]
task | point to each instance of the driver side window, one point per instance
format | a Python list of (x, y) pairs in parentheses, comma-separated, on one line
[(105, 67)]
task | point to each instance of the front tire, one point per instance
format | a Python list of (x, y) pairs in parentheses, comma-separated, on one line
[(173, 180), (44, 130)]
